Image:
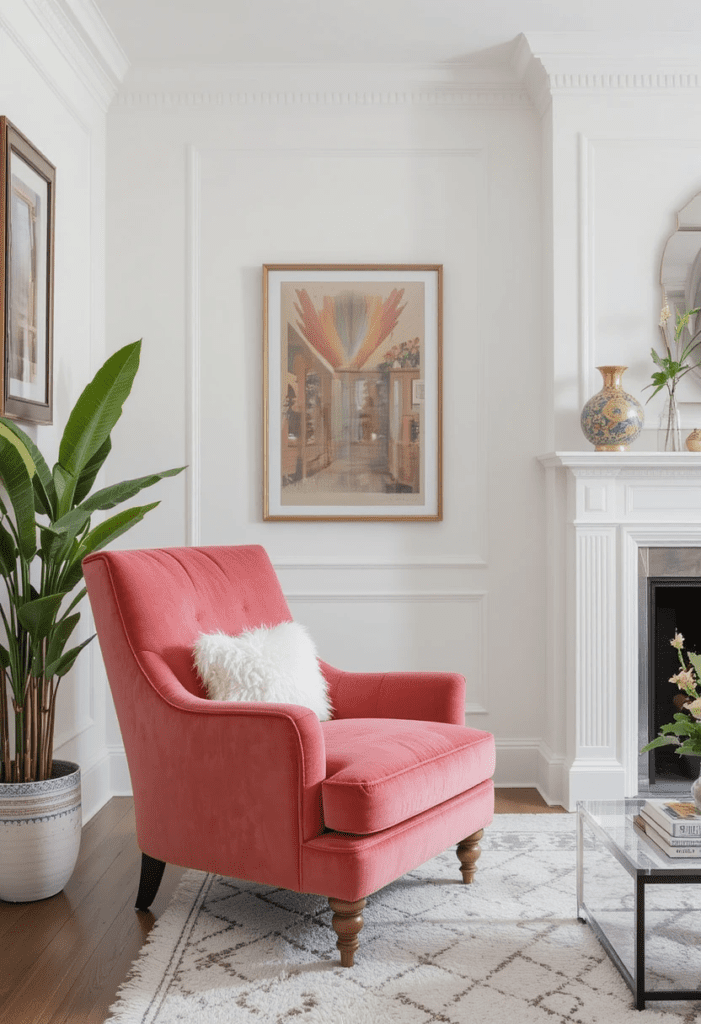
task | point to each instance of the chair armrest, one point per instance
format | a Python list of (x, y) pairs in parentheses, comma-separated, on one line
[(233, 788), (422, 696)]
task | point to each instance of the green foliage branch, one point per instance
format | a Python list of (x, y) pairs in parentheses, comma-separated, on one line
[(672, 366), (44, 536), (684, 731)]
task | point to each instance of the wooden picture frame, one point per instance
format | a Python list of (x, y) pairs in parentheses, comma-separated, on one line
[(352, 392), (27, 201)]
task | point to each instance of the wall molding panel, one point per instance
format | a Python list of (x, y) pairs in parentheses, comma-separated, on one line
[(193, 343), (195, 178), (477, 703), (309, 564)]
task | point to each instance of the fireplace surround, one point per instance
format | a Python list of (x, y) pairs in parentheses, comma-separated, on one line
[(605, 511)]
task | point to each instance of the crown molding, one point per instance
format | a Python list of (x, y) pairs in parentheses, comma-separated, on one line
[(81, 35), (550, 64), (322, 85)]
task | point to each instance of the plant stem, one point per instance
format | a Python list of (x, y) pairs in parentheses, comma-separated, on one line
[(4, 729)]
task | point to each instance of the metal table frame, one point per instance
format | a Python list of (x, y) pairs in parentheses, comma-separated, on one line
[(635, 981)]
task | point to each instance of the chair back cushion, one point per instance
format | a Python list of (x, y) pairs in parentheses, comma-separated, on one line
[(167, 597)]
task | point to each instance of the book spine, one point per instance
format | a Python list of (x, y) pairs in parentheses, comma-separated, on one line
[(678, 829), (651, 828), (676, 852)]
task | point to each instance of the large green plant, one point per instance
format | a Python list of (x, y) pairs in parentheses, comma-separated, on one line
[(42, 543)]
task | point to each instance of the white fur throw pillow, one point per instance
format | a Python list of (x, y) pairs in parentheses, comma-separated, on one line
[(276, 664)]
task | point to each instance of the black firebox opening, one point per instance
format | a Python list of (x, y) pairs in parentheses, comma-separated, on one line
[(674, 606)]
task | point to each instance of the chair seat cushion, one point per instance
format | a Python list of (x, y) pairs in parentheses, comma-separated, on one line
[(382, 771)]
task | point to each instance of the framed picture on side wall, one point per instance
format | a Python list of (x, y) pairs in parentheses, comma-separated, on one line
[(352, 392), (27, 185)]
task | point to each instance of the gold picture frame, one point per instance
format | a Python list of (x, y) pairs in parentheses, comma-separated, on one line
[(27, 201), (352, 392)]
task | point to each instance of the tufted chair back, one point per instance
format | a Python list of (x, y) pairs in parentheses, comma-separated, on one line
[(167, 597)]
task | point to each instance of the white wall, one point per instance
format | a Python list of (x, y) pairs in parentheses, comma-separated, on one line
[(209, 178), (55, 90)]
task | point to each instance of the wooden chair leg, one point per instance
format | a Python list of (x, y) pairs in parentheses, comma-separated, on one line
[(468, 853), (347, 921), (151, 875)]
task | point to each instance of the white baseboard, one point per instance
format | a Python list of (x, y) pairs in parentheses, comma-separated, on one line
[(120, 780), (96, 786), (595, 780), (530, 763)]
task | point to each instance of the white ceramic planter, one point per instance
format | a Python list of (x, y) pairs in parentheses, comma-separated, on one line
[(40, 825)]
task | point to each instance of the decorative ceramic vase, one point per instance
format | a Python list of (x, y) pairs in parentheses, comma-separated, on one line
[(693, 441), (40, 826), (669, 432), (612, 418)]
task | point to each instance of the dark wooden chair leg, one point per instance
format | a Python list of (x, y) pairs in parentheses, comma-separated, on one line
[(468, 853), (347, 921), (151, 875)]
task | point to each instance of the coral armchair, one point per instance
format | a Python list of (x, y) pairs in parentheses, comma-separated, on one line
[(267, 792)]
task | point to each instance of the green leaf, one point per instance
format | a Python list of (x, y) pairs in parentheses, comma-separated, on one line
[(56, 539), (660, 741), (39, 471), (695, 660), (658, 388), (98, 409), (76, 600), (99, 537), (4, 657), (8, 552), (65, 663), (87, 477), (58, 637), (18, 484), (65, 484), (71, 523), (38, 616), (115, 494), (113, 527), (690, 746)]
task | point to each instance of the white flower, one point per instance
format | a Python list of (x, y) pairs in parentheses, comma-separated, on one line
[(665, 314), (684, 680), (694, 707), (678, 642)]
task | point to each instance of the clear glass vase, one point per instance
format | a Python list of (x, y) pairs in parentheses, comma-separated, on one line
[(696, 793), (669, 432)]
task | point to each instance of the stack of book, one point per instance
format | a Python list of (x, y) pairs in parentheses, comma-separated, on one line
[(674, 826)]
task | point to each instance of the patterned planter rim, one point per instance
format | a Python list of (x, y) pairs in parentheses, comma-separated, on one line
[(65, 776)]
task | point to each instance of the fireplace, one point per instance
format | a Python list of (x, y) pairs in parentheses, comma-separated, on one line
[(616, 521), (669, 601)]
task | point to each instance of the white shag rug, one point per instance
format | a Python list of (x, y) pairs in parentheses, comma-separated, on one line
[(505, 950)]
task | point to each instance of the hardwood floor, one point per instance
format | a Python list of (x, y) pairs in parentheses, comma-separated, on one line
[(63, 959)]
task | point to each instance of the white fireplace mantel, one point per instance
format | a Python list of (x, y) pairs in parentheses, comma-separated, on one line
[(603, 506)]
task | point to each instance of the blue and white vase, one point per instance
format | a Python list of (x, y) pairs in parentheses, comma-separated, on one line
[(612, 419)]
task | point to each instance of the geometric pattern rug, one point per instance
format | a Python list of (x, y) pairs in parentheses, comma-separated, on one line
[(506, 949)]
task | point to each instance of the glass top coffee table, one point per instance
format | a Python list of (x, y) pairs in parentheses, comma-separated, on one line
[(656, 946)]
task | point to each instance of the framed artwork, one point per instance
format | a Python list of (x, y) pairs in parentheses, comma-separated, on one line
[(352, 392), (27, 185)]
